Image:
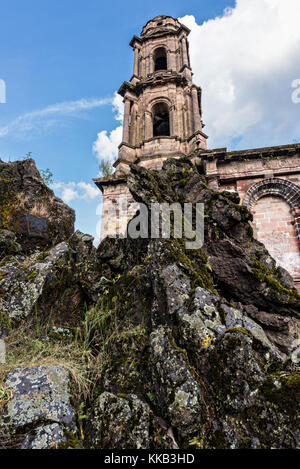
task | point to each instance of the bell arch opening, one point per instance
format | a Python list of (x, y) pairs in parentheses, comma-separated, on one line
[(161, 120), (160, 59)]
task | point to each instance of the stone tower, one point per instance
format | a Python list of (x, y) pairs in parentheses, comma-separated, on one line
[(162, 116)]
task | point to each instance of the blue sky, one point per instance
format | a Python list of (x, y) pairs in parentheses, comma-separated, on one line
[(62, 62)]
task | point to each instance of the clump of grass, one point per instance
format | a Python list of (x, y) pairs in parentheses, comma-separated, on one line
[(29, 346), (94, 327), (85, 353), (113, 339)]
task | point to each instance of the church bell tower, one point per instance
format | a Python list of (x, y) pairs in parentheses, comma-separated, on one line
[(162, 115)]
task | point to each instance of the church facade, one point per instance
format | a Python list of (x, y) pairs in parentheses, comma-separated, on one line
[(163, 119)]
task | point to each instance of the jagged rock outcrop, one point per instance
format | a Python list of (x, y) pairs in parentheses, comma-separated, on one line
[(40, 406), (120, 422), (8, 244), (23, 280), (30, 209), (28, 283), (243, 272), (209, 364), (184, 348)]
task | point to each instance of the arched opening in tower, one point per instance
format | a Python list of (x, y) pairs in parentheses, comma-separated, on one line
[(160, 59), (161, 120)]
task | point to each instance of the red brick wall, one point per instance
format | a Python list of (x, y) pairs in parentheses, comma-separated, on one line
[(274, 226)]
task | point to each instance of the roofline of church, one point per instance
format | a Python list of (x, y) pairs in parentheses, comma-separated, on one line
[(262, 152), (109, 181), (220, 154)]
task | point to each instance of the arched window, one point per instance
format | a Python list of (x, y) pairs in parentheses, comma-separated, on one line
[(160, 59), (275, 205), (161, 120), (273, 224)]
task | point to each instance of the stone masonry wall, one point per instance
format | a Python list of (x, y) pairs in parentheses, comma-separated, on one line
[(274, 226), (118, 207)]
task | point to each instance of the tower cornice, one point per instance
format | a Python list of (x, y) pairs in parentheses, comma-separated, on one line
[(155, 79), (162, 32), (134, 40), (126, 86)]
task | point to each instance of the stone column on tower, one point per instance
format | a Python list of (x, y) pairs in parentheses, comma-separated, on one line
[(185, 60), (136, 62), (126, 122), (196, 110), (148, 125)]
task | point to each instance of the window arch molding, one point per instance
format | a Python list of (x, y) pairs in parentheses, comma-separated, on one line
[(158, 99), (283, 188)]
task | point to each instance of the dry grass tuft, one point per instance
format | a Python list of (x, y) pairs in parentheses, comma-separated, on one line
[(85, 353), (40, 210), (28, 348)]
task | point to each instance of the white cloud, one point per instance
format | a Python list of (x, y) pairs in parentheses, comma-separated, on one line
[(245, 62), (106, 145), (69, 191), (118, 107), (42, 119), (90, 192)]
